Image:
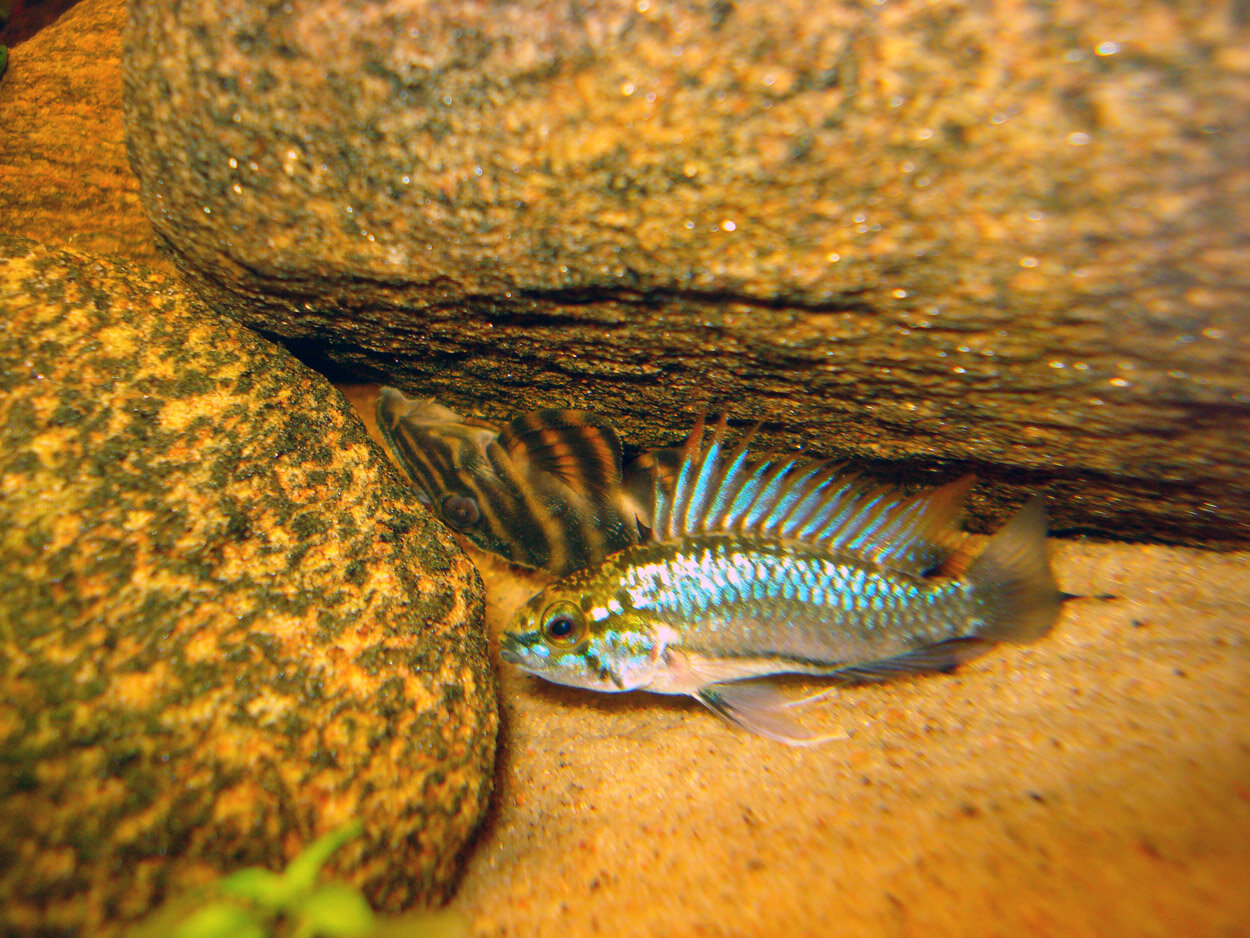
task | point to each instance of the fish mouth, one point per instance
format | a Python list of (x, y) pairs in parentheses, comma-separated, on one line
[(509, 650)]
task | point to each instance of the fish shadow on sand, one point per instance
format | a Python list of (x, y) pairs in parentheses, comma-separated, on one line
[(660, 713)]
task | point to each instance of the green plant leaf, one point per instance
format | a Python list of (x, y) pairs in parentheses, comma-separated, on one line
[(301, 875), (336, 910), (219, 920), (255, 884)]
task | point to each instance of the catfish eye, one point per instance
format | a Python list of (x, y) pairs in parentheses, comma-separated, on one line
[(460, 511), (563, 624)]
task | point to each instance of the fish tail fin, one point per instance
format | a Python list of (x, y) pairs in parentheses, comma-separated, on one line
[(1012, 582)]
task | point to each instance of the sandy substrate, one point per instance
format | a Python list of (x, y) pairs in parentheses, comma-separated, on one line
[(1095, 783)]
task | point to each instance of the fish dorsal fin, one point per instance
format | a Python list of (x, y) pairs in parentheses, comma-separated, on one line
[(914, 533), (715, 491), (579, 448)]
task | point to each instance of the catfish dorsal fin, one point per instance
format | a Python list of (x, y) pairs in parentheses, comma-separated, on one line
[(809, 501), (579, 448), (394, 405)]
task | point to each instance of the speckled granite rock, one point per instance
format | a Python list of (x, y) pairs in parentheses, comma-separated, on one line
[(225, 626), (1013, 237), (64, 179)]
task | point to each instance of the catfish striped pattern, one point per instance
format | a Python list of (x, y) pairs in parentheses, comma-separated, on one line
[(544, 492)]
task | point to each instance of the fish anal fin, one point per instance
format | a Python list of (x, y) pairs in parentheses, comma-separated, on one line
[(939, 657), (758, 707)]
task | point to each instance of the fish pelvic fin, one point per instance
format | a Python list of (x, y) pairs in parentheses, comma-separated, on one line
[(759, 708), (1012, 581), (716, 490)]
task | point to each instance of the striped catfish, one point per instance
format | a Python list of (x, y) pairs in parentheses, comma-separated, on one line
[(762, 567), (545, 491)]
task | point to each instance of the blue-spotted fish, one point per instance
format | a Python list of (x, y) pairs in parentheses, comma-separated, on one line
[(759, 568), (545, 491)]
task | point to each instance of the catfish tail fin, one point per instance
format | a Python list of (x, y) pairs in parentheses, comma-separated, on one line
[(1012, 582)]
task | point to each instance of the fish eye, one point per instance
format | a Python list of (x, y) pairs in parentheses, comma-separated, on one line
[(460, 511), (563, 624)]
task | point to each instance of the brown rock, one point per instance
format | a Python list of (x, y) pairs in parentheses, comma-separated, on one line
[(64, 179), (225, 626), (1014, 239)]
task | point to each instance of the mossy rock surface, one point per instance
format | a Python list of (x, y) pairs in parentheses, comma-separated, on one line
[(225, 626)]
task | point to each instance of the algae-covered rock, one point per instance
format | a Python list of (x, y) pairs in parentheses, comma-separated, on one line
[(1013, 238), (225, 626)]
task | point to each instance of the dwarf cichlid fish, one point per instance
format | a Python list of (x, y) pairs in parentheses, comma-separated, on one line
[(764, 567), (545, 491)]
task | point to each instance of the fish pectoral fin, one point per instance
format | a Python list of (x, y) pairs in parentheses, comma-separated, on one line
[(758, 707), (943, 656)]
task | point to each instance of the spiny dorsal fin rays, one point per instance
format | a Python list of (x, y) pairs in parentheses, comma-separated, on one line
[(824, 501), (660, 502), (861, 521), (735, 476), (798, 484), (805, 500), (579, 448), (744, 498), (706, 480), (839, 505), (669, 507), (765, 496), (911, 534)]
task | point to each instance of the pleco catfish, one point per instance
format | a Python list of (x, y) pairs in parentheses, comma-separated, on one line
[(772, 566), (544, 492)]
